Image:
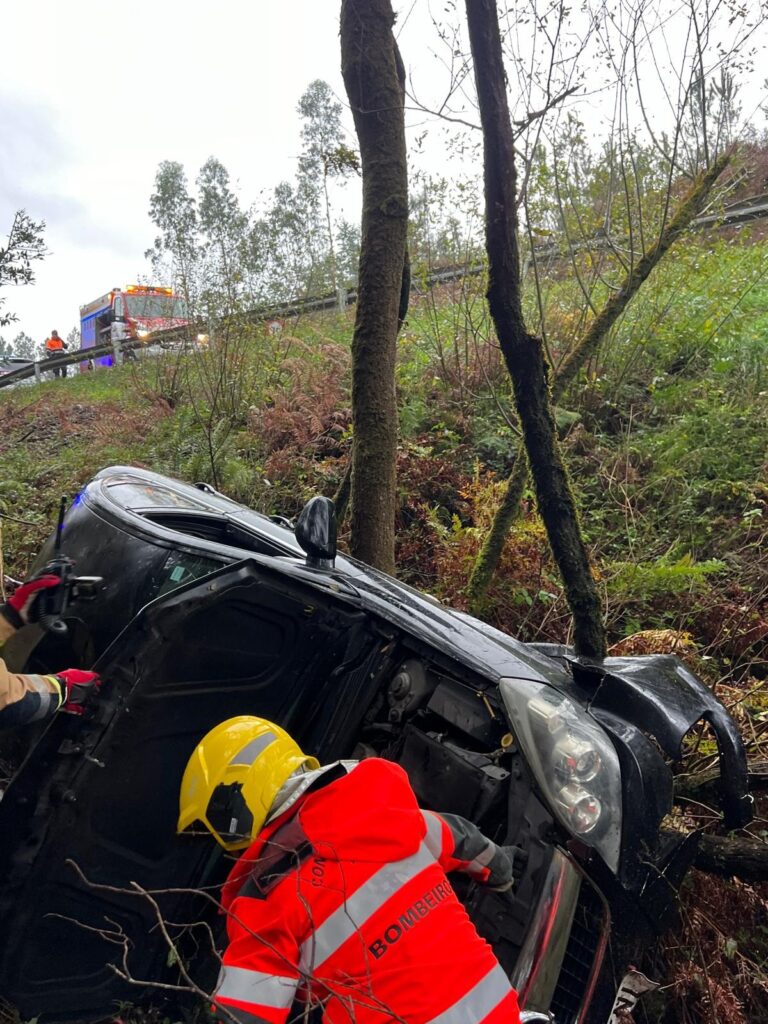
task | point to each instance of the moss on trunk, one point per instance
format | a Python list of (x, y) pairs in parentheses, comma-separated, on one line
[(692, 204), (375, 82), (523, 352)]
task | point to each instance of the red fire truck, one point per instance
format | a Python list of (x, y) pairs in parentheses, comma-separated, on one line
[(137, 313)]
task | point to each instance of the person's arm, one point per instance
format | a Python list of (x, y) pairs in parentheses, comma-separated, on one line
[(28, 698), (6, 630), (259, 974), (459, 845)]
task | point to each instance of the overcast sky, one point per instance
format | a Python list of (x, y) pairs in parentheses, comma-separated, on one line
[(94, 95)]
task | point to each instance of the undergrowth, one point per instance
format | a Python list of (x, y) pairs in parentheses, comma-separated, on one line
[(665, 437)]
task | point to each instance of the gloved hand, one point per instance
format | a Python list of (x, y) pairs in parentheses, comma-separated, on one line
[(506, 868), (77, 686), (20, 609)]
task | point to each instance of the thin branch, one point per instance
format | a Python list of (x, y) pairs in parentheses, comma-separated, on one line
[(534, 115)]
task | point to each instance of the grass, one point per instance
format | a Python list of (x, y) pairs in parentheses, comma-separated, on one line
[(667, 451)]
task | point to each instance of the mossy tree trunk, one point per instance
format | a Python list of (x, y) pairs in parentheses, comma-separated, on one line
[(692, 204), (344, 490), (374, 79), (523, 352)]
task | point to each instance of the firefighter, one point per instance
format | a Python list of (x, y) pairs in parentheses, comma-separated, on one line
[(30, 698), (341, 895), (54, 346)]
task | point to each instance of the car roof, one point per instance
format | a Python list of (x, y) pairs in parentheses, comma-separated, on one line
[(141, 490)]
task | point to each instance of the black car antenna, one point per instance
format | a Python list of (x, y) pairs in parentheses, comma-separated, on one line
[(53, 604), (60, 524)]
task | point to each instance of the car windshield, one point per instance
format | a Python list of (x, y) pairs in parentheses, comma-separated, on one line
[(157, 307)]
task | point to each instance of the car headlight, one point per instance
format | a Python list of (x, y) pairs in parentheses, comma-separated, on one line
[(202, 339), (142, 334), (573, 761)]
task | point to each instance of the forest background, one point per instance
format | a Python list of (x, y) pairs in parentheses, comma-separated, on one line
[(663, 428)]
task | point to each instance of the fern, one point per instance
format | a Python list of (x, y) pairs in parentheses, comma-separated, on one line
[(641, 581)]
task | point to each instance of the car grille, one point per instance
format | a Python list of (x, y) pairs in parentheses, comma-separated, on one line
[(579, 959)]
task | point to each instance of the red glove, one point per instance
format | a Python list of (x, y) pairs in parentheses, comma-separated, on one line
[(20, 608), (77, 686)]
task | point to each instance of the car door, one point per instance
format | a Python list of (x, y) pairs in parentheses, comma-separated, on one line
[(87, 825)]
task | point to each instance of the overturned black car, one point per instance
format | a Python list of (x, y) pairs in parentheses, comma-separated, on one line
[(210, 610)]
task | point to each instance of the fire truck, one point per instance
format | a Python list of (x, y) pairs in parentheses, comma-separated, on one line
[(136, 313)]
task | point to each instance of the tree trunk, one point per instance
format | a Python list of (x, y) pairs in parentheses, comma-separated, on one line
[(375, 82), (524, 353), (726, 855), (344, 490), (490, 554)]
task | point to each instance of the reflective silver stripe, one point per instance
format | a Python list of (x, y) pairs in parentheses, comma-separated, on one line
[(479, 1001), (434, 836), (484, 858), (251, 750), (357, 908), (50, 700), (39, 685), (247, 986)]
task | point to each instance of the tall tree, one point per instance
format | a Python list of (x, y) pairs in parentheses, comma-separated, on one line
[(374, 79), (24, 346), (224, 225), (173, 211), (522, 351), (24, 247), (325, 154), (73, 339), (690, 206)]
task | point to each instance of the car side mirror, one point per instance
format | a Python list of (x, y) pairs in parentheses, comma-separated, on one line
[(316, 532)]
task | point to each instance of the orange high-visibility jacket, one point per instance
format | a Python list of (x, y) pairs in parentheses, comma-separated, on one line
[(344, 900), (53, 344)]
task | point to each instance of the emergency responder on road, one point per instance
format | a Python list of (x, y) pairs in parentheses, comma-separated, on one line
[(29, 698), (55, 346), (341, 896)]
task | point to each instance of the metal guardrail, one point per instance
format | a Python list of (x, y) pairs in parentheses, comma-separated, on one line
[(117, 349), (261, 313), (753, 208), (37, 368)]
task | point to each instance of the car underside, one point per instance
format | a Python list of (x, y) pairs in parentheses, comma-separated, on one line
[(567, 759)]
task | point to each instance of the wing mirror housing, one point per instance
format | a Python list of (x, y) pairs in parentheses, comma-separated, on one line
[(316, 532)]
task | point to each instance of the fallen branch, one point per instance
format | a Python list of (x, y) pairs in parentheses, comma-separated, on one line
[(730, 856), (705, 786)]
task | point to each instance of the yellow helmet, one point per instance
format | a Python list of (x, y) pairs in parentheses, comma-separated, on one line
[(233, 777)]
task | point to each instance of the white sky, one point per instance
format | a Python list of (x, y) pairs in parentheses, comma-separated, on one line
[(93, 95)]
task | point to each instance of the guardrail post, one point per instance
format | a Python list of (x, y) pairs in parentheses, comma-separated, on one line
[(341, 298), (38, 375), (116, 350)]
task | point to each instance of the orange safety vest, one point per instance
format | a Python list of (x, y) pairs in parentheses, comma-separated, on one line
[(344, 900), (53, 344)]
